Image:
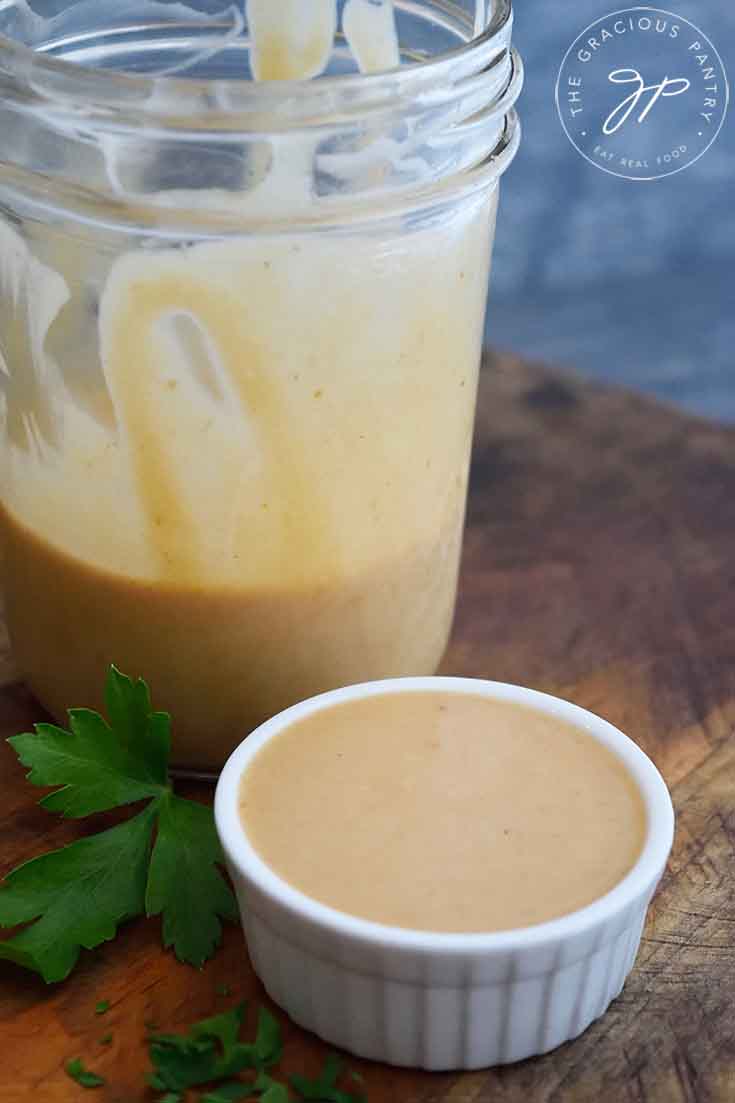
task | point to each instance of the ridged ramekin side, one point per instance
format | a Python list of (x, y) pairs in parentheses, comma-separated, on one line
[(449, 1015)]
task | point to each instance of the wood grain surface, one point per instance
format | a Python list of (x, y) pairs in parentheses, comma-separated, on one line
[(600, 565)]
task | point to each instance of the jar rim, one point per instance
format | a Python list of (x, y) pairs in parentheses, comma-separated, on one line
[(414, 135), (96, 85)]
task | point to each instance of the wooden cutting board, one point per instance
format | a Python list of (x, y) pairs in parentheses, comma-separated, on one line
[(600, 565)]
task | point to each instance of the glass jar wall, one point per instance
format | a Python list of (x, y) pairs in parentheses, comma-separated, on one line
[(240, 328)]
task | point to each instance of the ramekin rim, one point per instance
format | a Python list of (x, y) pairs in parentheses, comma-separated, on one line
[(638, 882)]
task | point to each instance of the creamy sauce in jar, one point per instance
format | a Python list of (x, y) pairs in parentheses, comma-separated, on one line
[(238, 467)]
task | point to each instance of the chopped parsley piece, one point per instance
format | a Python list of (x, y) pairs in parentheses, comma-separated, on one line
[(211, 1050), (77, 1071), (324, 1089)]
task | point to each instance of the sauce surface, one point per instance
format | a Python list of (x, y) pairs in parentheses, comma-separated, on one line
[(443, 811)]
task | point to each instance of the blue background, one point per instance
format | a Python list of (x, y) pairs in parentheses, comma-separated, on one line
[(630, 282)]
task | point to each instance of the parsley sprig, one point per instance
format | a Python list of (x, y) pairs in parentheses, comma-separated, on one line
[(162, 861)]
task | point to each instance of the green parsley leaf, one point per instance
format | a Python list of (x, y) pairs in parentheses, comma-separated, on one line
[(223, 1028), (100, 766), (77, 896), (268, 1040), (102, 1007), (184, 884), (223, 990), (324, 1089), (210, 1051), (270, 1091), (172, 1097), (179, 1068), (146, 735), (76, 1070), (229, 1092)]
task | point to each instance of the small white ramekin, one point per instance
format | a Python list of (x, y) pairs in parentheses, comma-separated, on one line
[(441, 1001)]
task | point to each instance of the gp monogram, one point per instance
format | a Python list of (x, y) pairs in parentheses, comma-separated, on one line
[(620, 114), (642, 93)]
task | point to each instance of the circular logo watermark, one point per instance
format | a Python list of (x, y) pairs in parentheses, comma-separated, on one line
[(642, 93)]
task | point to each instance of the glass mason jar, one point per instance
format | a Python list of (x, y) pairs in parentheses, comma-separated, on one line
[(240, 329)]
